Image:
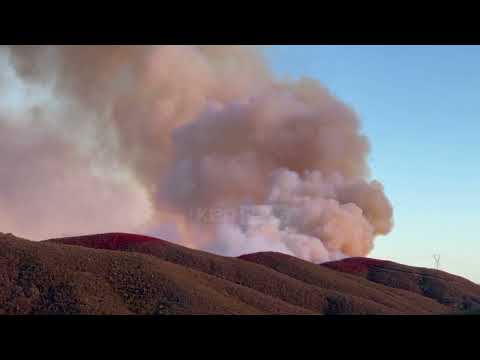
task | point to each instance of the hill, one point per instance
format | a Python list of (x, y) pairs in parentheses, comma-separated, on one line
[(447, 289), (131, 274)]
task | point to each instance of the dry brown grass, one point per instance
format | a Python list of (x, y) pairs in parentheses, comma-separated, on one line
[(127, 274), (450, 290)]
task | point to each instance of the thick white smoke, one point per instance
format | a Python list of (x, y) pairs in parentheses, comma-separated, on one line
[(156, 139)]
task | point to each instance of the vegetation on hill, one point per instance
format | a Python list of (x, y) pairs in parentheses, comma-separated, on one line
[(130, 274)]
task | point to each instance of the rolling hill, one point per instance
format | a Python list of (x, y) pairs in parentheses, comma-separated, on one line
[(131, 274)]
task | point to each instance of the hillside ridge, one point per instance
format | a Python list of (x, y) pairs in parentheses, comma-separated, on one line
[(118, 273)]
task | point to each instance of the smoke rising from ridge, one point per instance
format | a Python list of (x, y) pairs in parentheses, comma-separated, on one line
[(137, 138)]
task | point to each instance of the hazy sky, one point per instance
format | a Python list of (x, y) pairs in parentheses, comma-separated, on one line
[(420, 108)]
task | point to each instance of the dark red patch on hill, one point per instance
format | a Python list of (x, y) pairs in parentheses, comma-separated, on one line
[(357, 265), (110, 241)]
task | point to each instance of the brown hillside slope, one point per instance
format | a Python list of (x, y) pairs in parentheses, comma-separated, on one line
[(240, 272), (329, 279), (319, 289), (48, 278), (131, 274), (447, 289)]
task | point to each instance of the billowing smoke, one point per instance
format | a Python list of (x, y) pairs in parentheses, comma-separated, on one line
[(49, 188), (197, 144)]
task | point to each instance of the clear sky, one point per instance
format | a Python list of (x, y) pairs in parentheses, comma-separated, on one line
[(419, 105)]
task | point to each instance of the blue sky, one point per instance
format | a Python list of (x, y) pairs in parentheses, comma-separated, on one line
[(419, 105)]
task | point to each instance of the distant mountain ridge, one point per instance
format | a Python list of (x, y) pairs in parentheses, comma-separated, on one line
[(130, 274)]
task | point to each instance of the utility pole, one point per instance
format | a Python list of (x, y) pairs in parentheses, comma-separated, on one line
[(436, 258)]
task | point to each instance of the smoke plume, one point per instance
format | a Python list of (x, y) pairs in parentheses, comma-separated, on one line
[(201, 145)]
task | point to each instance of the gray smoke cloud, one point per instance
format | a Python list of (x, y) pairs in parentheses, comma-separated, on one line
[(144, 138)]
